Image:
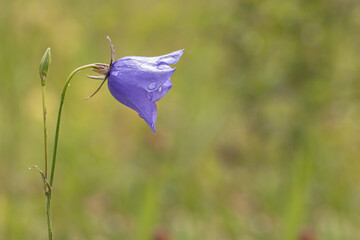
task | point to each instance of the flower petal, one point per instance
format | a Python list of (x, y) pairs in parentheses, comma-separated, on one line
[(138, 82), (169, 59), (157, 95), (147, 76), (136, 99)]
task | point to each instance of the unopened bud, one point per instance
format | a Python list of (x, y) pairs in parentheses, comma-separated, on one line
[(44, 66)]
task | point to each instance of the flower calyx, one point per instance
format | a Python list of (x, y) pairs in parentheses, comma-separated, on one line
[(103, 69)]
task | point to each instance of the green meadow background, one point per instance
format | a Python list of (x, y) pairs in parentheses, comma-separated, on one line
[(259, 138)]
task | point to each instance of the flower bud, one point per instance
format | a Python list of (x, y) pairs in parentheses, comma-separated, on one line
[(44, 66)]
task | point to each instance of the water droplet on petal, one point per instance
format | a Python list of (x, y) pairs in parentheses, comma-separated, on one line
[(115, 73), (152, 86), (163, 67), (149, 95)]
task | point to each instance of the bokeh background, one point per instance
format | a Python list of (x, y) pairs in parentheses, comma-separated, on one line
[(258, 139)]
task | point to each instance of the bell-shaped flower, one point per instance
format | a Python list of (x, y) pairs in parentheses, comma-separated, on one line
[(138, 82)]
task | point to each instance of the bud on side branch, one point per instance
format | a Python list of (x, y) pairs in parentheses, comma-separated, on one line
[(44, 66)]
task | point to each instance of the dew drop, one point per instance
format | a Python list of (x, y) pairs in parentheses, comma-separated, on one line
[(163, 67), (115, 73), (149, 95), (152, 86)]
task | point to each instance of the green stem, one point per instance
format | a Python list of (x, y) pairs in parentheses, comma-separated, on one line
[(48, 206), (45, 128), (47, 188), (63, 94)]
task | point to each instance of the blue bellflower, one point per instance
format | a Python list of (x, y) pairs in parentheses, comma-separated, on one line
[(138, 82)]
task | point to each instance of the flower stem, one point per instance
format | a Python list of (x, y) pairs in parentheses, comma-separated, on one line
[(45, 129), (63, 94), (47, 189), (48, 215)]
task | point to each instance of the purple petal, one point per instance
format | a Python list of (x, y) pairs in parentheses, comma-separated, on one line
[(138, 82), (136, 99), (169, 59), (141, 74), (157, 95)]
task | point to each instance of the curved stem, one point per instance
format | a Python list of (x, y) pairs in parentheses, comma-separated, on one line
[(63, 94)]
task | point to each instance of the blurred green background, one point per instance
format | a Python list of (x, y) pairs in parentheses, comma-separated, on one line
[(258, 139)]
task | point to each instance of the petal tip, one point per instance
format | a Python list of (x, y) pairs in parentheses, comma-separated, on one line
[(180, 52), (152, 126), (172, 58)]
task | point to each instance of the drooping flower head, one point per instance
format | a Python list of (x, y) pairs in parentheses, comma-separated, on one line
[(138, 82)]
